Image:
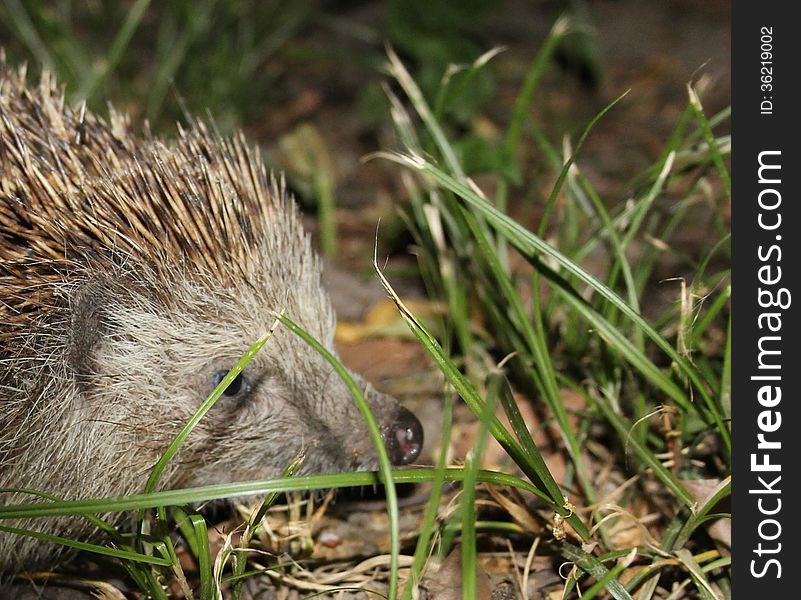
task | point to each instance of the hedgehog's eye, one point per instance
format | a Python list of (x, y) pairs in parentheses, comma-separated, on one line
[(239, 386)]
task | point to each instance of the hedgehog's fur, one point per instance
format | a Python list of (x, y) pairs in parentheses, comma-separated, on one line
[(131, 272)]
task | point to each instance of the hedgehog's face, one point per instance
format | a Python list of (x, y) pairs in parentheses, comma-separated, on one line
[(151, 366), (288, 402), (278, 409)]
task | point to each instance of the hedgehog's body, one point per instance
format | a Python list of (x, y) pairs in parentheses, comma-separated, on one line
[(134, 273)]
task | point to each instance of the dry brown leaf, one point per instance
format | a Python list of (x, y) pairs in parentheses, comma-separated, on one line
[(701, 490), (517, 510), (446, 583)]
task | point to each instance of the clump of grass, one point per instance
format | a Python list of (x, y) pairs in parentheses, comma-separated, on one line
[(654, 380), (150, 50), (564, 328)]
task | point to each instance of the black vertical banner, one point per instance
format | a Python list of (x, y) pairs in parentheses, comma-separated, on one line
[(766, 358)]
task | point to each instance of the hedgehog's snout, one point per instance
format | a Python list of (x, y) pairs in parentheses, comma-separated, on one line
[(404, 438)]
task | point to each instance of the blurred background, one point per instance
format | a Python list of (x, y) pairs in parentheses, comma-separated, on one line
[(304, 79), (308, 83)]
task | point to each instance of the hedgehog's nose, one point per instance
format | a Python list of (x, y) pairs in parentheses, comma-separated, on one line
[(404, 438)]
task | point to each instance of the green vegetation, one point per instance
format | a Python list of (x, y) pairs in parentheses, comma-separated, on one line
[(556, 301)]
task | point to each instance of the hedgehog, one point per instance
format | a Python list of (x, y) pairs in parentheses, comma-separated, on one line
[(134, 273)]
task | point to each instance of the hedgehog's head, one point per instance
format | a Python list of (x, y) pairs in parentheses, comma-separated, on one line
[(149, 350), (169, 260)]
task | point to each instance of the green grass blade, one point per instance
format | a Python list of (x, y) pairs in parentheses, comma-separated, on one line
[(532, 465), (725, 378), (592, 566), (172, 449), (530, 83), (718, 304), (432, 509), (551, 202), (600, 585), (537, 347), (467, 504), (709, 136), (416, 97), (532, 246), (385, 466), (617, 247), (701, 582), (624, 431), (252, 488), (118, 46), (129, 555), (205, 563), (28, 33), (701, 512)]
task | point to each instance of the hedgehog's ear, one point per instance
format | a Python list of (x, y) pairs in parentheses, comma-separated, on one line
[(88, 324)]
